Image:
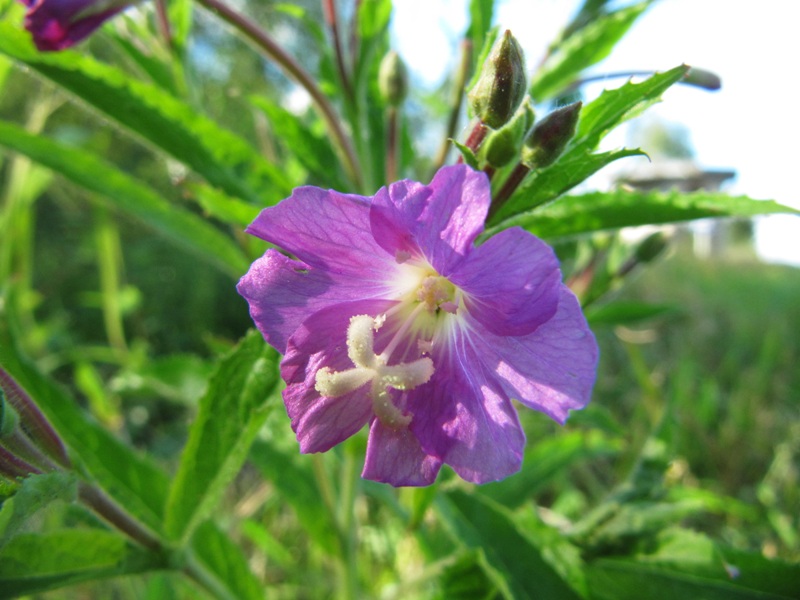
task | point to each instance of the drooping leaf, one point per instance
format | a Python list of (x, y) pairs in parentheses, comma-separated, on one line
[(226, 563), (585, 47), (229, 416), (150, 113), (479, 523), (136, 483), (574, 215), (35, 563), (133, 197)]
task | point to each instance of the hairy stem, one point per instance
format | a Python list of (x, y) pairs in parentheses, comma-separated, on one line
[(456, 101)]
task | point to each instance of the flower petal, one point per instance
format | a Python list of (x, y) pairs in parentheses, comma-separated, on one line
[(59, 24), (512, 282), (326, 230), (443, 223), (551, 370), (321, 422), (463, 416), (395, 456), (282, 293)]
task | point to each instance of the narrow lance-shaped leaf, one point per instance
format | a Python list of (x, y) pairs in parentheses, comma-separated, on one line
[(35, 563), (585, 47), (586, 213), (230, 414), (130, 196), (152, 114), (578, 162)]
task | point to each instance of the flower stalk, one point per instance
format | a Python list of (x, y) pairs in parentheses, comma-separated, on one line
[(292, 68)]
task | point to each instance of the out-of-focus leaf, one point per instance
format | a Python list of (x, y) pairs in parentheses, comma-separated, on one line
[(313, 151), (35, 563), (180, 20), (180, 378), (226, 563), (628, 312), (217, 204), (373, 18), (686, 564), (136, 483), (578, 162), (471, 577), (574, 215), (583, 48), (294, 481), (152, 114), (479, 523), (230, 414), (481, 13), (34, 494), (547, 459), (129, 195)]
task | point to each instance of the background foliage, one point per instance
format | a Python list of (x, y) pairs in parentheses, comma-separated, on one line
[(129, 169)]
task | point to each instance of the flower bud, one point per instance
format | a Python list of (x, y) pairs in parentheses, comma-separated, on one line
[(702, 79), (503, 146), (651, 247), (501, 85), (550, 136), (393, 79)]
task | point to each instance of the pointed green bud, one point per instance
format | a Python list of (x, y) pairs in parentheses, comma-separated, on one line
[(501, 85), (651, 247), (550, 136), (503, 146), (393, 79)]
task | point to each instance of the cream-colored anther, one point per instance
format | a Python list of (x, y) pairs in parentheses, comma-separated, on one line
[(369, 367)]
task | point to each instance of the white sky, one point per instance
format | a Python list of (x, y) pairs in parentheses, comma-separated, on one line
[(750, 125)]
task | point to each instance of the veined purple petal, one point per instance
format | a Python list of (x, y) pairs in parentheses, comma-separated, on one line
[(395, 456), (463, 416), (320, 422), (551, 370), (512, 282), (282, 293), (393, 216), (443, 224), (326, 230)]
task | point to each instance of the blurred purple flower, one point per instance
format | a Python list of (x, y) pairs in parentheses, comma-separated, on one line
[(390, 315), (59, 24)]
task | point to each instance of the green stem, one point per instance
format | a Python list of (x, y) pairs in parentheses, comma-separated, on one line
[(348, 582), (271, 48), (329, 9), (392, 144), (109, 259), (104, 506)]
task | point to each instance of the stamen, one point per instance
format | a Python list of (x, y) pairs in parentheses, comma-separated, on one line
[(334, 384)]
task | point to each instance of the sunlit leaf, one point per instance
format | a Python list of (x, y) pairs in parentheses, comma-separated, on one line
[(229, 416), (583, 48), (129, 195)]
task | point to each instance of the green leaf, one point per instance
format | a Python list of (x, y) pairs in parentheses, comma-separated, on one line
[(479, 523), (217, 204), (294, 481), (546, 460), (129, 195), (373, 18), (583, 48), (574, 215), (231, 412), (34, 494), (226, 564), (578, 162), (628, 312), (312, 150), (137, 484), (34, 563), (147, 111), (481, 13), (471, 577)]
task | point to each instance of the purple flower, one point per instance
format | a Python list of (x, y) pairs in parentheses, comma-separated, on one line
[(59, 24), (389, 315)]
